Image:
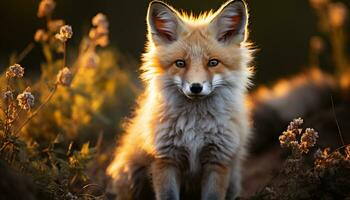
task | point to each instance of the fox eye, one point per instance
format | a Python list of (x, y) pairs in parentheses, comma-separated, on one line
[(180, 63), (213, 62)]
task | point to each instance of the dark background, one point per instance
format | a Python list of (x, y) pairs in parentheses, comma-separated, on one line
[(280, 29)]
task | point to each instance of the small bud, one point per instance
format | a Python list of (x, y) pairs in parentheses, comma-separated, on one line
[(65, 77), (46, 8), (25, 100), (308, 140), (287, 139), (15, 71), (41, 36), (65, 33), (8, 96), (347, 152), (90, 60), (100, 20), (295, 125), (99, 33), (318, 4)]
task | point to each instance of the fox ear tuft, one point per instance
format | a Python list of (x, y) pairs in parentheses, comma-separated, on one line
[(163, 23), (230, 22)]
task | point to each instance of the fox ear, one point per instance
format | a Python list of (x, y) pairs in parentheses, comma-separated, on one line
[(230, 22), (163, 23)]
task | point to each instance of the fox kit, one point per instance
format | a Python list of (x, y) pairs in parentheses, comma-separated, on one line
[(189, 132)]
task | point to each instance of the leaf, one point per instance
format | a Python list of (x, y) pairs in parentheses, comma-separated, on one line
[(85, 149), (59, 138), (69, 151)]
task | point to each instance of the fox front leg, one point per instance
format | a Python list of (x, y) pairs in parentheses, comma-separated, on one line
[(234, 187), (166, 182), (215, 181)]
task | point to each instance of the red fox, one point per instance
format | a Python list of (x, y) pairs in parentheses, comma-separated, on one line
[(190, 129)]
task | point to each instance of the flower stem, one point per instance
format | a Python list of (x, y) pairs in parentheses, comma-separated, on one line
[(25, 52), (336, 121), (64, 54), (37, 110), (5, 145), (7, 116)]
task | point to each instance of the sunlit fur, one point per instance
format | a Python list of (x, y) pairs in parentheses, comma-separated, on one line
[(181, 141)]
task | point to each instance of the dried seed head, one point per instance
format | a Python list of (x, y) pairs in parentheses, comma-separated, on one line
[(90, 60), (15, 71), (309, 138), (99, 33), (347, 152), (287, 139), (295, 125), (100, 20), (8, 96), (41, 36), (25, 100), (318, 4), (46, 8), (337, 14), (326, 160), (65, 33), (65, 77)]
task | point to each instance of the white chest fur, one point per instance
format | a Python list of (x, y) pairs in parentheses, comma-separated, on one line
[(193, 128)]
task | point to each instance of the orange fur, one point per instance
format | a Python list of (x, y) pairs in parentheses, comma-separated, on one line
[(176, 133)]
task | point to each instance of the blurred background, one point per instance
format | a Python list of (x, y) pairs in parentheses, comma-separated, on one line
[(281, 30), (61, 130)]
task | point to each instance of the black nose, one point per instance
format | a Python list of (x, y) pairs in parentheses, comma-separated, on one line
[(196, 88)]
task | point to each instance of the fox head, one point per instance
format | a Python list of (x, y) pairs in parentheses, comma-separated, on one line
[(197, 55)]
